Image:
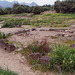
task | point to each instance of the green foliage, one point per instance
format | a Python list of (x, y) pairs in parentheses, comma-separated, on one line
[(36, 10), (66, 6), (3, 36), (26, 22), (65, 57), (12, 23), (7, 72), (19, 9), (7, 10), (1, 11)]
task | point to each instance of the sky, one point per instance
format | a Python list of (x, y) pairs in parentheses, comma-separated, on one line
[(39, 2)]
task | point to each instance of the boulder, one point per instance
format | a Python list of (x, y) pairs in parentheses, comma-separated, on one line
[(45, 60), (33, 29), (35, 56), (51, 29)]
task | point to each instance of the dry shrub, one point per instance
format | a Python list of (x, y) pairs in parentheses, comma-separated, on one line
[(41, 46)]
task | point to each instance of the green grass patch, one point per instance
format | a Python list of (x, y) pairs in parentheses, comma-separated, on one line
[(7, 72), (49, 19), (53, 20)]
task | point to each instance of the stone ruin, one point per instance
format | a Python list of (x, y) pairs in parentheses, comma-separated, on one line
[(7, 46)]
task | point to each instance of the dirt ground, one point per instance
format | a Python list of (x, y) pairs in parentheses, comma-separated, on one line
[(17, 62)]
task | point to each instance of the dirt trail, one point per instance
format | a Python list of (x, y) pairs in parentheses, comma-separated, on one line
[(17, 63), (14, 62)]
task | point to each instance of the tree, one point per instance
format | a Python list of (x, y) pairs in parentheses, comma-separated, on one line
[(7, 10), (36, 10), (17, 10), (26, 9), (65, 6), (1, 11)]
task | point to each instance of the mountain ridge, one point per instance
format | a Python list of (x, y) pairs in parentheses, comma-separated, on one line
[(5, 4)]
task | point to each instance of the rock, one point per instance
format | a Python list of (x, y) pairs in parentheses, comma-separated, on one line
[(7, 46), (54, 30), (35, 56), (60, 35), (33, 29), (69, 31), (51, 29), (73, 46), (23, 31), (45, 60), (67, 35), (42, 30), (10, 47), (27, 30)]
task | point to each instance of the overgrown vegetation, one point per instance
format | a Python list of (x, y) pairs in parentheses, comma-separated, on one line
[(7, 72), (3, 35), (17, 9), (49, 19), (53, 20), (65, 6), (63, 57), (15, 23)]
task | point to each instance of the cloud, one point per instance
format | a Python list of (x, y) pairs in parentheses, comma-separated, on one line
[(39, 2)]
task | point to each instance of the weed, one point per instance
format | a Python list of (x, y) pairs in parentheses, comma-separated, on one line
[(7, 72), (3, 36)]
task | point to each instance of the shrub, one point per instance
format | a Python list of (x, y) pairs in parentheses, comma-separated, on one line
[(7, 10), (36, 10), (65, 57), (3, 36), (41, 47)]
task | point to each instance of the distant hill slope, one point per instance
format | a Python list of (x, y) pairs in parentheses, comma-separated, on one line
[(5, 4)]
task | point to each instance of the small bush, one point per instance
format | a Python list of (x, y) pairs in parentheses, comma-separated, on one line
[(41, 47)]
